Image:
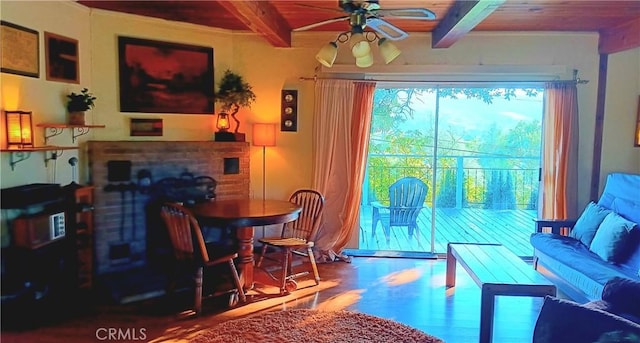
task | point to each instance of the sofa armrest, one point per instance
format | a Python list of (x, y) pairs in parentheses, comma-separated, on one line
[(557, 226)]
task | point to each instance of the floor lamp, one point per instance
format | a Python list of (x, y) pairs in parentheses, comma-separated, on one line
[(264, 135)]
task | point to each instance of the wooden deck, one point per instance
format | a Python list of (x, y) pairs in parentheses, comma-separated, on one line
[(510, 228)]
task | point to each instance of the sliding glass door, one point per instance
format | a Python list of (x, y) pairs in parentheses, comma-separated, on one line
[(478, 151)]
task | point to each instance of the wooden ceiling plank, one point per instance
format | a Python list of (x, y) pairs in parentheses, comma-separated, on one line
[(623, 37), (461, 18), (262, 18)]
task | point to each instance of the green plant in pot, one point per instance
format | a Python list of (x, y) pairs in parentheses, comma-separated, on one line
[(78, 104), (232, 94)]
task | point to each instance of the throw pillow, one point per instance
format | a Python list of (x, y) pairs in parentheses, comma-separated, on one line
[(623, 295), (586, 226), (613, 241)]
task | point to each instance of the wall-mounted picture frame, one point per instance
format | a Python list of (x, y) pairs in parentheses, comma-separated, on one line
[(636, 142), (61, 57), (20, 48), (145, 127), (165, 77)]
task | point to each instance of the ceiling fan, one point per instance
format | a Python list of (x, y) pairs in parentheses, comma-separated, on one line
[(368, 13)]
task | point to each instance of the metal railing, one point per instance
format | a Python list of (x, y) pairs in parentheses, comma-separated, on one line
[(492, 182)]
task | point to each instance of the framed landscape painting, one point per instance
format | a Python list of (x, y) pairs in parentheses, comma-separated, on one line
[(61, 55), (163, 77)]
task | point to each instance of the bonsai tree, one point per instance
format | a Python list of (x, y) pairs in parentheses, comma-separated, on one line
[(234, 93), (79, 102)]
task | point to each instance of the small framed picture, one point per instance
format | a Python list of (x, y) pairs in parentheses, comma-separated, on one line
[(146, 127), (61, 55), (20, 50)]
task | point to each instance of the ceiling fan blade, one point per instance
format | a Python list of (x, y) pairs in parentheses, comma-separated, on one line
[(324, 22), (386, 30), (407, 13)]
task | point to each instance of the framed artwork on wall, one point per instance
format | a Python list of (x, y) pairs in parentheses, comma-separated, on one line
[(164, 77), (20, 50), (61, 56), (145, 127), (636, 142)]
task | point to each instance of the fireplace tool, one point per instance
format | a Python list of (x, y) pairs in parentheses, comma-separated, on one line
[(120, 171)]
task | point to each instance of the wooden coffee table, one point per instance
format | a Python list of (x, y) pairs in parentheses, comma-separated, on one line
[(497, 271)]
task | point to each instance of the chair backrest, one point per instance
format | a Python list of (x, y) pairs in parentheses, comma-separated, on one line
[(406, 199), (305, 227), (184, 230)]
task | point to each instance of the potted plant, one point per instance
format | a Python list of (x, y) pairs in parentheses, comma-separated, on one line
[(232, 94), (77, 104)]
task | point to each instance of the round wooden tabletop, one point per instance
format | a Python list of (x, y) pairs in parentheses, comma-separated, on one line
[(246, 212)]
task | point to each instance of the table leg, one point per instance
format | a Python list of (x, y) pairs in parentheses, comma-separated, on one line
[(451, 268), (487, 304), (245, 255)]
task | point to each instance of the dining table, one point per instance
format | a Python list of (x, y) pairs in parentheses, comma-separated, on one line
[(242, 215)]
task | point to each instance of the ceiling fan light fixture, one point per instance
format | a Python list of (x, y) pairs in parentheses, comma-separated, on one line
[(359, 45), (327, 54), (365, 61), (388, 50)]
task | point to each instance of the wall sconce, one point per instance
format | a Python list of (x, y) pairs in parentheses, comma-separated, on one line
[(19, 129), (223, 125), (360, 48)]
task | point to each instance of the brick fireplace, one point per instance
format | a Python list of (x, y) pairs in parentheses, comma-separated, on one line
[(121, 201)]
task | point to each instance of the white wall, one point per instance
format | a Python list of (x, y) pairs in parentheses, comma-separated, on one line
[(621, 108), (269, 70), (45, 98)]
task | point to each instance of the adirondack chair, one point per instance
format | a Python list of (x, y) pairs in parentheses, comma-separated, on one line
[(406, 199)]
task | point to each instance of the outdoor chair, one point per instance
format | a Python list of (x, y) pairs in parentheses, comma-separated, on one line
[(406, 199), (296, 239), (200, 262)]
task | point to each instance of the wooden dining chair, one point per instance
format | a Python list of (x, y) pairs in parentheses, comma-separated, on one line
[(296, 239), (406, 199), (198, 259)]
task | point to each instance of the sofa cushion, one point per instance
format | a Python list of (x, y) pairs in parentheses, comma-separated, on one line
[(572, 253), (566, 321), (613, 240), (620, 186), (586, 226), (627, 209)]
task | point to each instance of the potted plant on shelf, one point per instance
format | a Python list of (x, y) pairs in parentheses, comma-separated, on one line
[(232, 94), (78, 104)]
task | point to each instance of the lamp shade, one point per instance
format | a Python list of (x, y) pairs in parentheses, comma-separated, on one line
[(388, 50), (264, 134), (359, 45), (327, 54), (365, 61), (19, 129)]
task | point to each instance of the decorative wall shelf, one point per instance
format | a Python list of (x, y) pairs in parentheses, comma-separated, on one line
[(20, 154), (52, 130)]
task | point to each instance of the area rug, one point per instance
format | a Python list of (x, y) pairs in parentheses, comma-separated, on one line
[(302, 325)]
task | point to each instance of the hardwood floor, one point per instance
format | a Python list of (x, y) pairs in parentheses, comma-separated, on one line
[(410, 291)]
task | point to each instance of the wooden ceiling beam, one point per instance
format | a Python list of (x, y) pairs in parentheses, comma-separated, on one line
[(461, 18), (262, 18), (622, 37)]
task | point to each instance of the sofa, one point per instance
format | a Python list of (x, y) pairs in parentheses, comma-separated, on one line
[(614, 318), (581, 256)]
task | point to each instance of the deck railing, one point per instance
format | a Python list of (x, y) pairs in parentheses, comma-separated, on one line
[(493, 182)]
